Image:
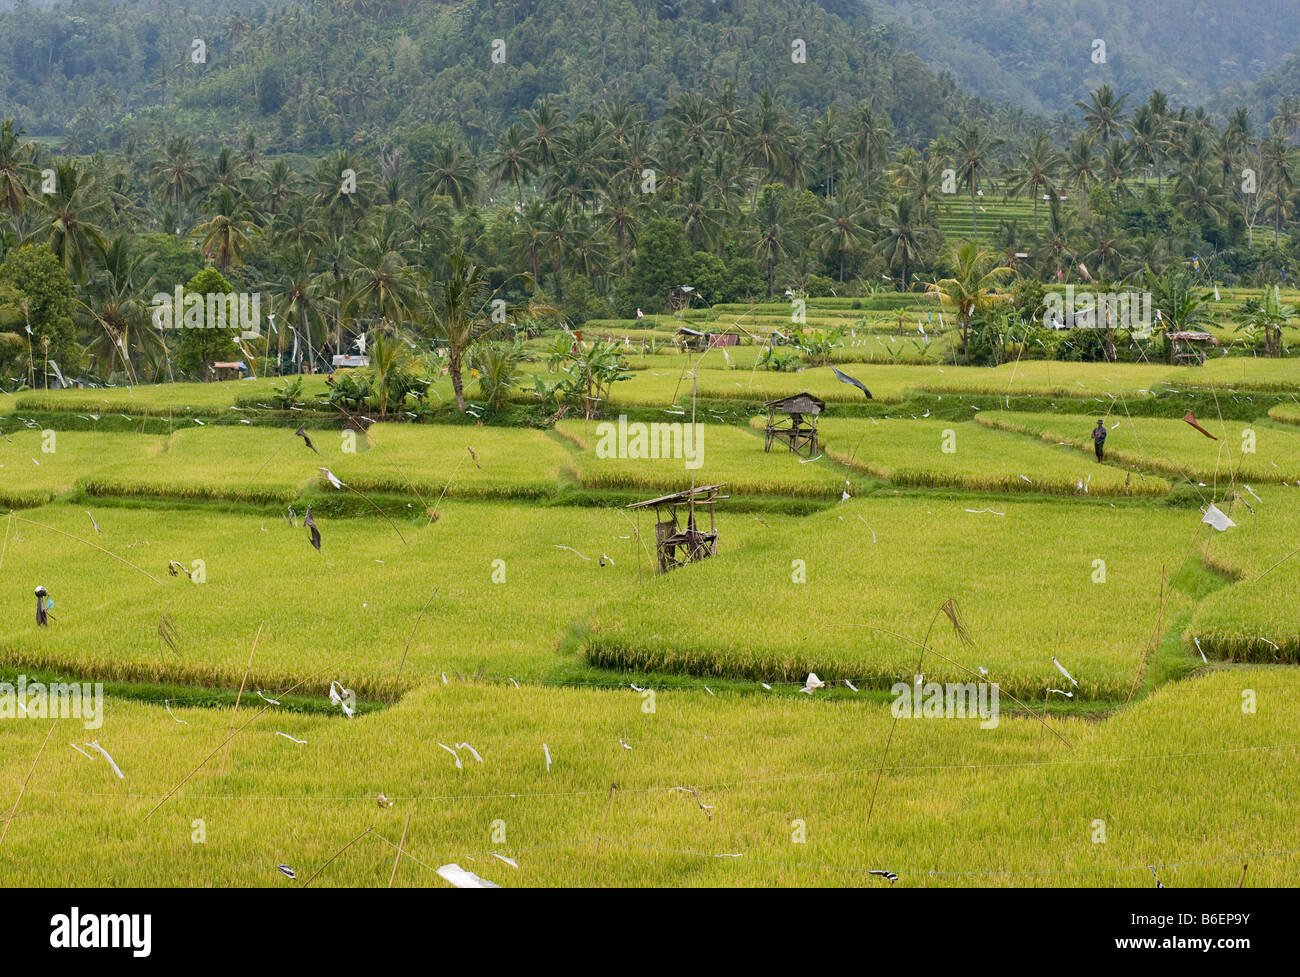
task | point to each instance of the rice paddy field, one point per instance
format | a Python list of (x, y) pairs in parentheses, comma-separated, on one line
[(939, 453), (1238, 450), (484, 596)]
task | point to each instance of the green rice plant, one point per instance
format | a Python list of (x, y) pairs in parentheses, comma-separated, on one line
[(932, 453), (38, 465), (1047, 378), (1256, 619), (466, 462), (1286, 413), (727, 454), (166, 399), (1170, 446), (1023, 573), (346, 612), (704, 775), (236, 463), (1280, 375)]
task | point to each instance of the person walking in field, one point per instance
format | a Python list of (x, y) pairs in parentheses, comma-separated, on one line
[(1099, 440)]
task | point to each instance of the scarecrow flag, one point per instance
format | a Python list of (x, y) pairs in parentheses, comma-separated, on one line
[(1192, 421)]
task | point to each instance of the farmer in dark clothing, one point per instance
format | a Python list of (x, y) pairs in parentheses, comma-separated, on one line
[(1099, 440)]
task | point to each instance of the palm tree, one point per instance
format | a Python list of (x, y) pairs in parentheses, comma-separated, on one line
[(870, 137), (382, 285), (15, 168), (771, 229), (1081, 164), (768, 139), (278, 182), (1103, 114), (1198, 194), (70, 215), (386, 356), (1036, 171), (1057, 250), (301, 299), (453, 174), (974, 149), (904, 237), (1115, 159), (547, 130), (176, 173), (844, 228), (460, 315), (1268, 317), (829, 145), (919, 177), (511, 164), (115, 306), (971, 289), (1145, 141), (701, 220), (1181, 307), (1279, 163), (225, 235)]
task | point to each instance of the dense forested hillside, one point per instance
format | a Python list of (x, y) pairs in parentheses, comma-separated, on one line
[(1037, 54), (353, 72)]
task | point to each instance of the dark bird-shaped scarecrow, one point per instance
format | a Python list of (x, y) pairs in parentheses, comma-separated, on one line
[(845, 378), (310, 523), (302, 433)]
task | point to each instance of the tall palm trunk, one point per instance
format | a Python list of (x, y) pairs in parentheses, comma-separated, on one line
[(457, 382)]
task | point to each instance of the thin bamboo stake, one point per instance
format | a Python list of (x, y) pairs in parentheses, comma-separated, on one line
[(238, 698), (399, 852), (13, 810), (337, 854)]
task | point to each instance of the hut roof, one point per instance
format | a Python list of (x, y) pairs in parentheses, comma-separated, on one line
[(800, 403), (677, 498)]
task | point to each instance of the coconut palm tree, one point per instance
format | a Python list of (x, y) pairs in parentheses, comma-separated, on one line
[(772, 227), (844, 229), (176, 173), (114, 305), (1103, 114), (70, 217), (972, 287), (1036, 171), (905, 236), (869, 139), (225, 236), (16, 168), (974, 149), (452, 173), (461, 313), (510, 164)]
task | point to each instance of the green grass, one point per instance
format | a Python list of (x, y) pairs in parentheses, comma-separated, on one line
[(1170, 446), (940, 453)]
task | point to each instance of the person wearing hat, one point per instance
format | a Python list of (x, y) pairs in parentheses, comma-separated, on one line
[(42, 614), (1099, 439)]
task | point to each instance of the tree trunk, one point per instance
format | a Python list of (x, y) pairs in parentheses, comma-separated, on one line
[(457, 384)]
